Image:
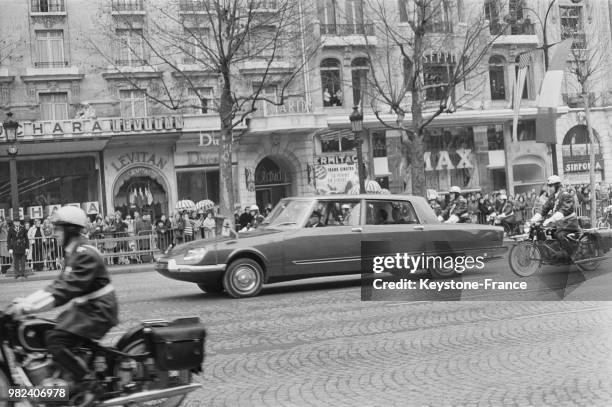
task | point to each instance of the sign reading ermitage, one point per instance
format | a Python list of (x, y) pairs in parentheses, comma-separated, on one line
[(101, 126), (333, 178)]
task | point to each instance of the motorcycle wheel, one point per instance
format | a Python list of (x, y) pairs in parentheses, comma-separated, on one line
[(5, 383), (163, 380), (587, 249), (525, 259)]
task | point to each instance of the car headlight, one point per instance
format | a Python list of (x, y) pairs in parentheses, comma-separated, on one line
[(195, 255)]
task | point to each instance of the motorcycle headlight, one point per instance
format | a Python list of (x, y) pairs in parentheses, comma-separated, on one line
[(195, 255)]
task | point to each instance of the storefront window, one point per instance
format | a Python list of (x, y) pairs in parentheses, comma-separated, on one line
[(51, 182), (495, 137), (337, 142), (526, 130), (198, 184)]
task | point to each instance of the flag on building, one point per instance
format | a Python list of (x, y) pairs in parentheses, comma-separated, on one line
[(519, 85)]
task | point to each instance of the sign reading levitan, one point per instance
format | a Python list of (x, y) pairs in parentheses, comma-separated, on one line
[(97, 126), (139, 157)]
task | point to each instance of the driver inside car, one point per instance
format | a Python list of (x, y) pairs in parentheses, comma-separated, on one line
[(559, 211), (85, 284)]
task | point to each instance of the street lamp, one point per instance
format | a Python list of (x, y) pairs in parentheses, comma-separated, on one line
[(356, 119), (10, 129)]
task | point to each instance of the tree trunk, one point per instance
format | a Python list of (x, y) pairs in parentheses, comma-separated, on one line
[(417, 167), (587, 112), (226, 179)]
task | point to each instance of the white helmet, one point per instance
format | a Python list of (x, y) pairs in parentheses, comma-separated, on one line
[(346, 206), (503, 197), (70, 216), (254, 208), (455, 189), (553, 179)]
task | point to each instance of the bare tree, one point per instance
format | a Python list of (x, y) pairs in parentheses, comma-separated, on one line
[(244, 46), (423, 30), (588, 62)]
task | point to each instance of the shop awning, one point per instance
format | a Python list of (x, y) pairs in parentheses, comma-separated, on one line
[(335, 134)]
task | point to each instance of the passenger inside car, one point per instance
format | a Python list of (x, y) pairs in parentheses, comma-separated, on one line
[(315, 220)]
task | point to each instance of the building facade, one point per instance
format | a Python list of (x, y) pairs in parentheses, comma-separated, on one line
[(89, 136)]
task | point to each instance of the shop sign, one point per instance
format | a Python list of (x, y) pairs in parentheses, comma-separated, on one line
[(139, 157), (583, 165), (202, 158), (91, 208), (49, 209), (99, 126), (334, 178), (35, 212), (336, 159), (444, 161), (212, 139), (266, 177)]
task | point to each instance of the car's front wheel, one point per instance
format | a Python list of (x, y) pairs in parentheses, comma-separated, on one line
[(243, 278)]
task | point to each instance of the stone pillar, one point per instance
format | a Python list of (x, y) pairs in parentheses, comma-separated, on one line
[(481, 146)]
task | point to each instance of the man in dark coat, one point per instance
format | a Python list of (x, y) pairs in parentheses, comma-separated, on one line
[(18, 247), (559, 210), (85, 284)]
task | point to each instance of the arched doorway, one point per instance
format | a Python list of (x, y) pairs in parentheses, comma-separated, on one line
[(576, 155), (272, 182), (141, 189)]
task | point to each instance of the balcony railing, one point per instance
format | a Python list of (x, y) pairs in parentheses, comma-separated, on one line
[(48, 6), (127, 5), (347, 29), (130, 62), (52, 64), (291, 105)]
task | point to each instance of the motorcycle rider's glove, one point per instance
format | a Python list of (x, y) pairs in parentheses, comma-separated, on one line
[(536, 218), (554, 218), (441, 218), (38, 301)]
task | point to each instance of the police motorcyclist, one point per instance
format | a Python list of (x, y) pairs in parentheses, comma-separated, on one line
[(85, 283), (457, 208), (506, 214), (559, 210)]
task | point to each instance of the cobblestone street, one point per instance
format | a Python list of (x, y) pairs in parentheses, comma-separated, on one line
[(315, 343)]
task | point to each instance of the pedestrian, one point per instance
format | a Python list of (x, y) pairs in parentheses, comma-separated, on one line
[(35, 235), (49, 245), (209, 225), (163, 228), (18, 245), (5, 263)]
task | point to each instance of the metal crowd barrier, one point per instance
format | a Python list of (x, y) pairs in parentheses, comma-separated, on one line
[(116, 248)]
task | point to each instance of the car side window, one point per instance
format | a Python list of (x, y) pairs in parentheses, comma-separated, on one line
[(339, 213), (390, 213)]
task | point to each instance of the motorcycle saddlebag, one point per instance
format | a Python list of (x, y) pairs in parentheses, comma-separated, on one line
[(178, 345)]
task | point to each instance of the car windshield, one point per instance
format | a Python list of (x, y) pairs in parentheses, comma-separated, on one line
[(288, 213)]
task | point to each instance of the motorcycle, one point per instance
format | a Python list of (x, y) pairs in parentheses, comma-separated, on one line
[(151, 364), (539, 247)]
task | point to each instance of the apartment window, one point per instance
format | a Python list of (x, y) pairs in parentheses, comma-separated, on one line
[(54, 106), (194, 5), (492, 14), (379, 141), (402, 6), (50, 48), (265, 5), (526, 85), (197, 43), (408, 73), (572, 25), (263, 42), (327, 16), (354, 16), (438, 16), (133, 103), (200, 100), (495, 137), (437, 70), (331, 82), (526, 130), (460, 11), (48, 6), (127, 5), (337, 142), (130, 48), (359, 76), (497, 77)]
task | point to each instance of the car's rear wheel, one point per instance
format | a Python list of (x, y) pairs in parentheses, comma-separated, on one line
[(243, 278), (215, 287)]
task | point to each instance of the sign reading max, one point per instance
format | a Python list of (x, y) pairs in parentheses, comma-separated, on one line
[(139, 157)]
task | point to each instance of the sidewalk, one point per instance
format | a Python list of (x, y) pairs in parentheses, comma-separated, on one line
[(51, 274)]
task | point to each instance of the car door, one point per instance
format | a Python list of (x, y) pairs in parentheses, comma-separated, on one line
[(392, 227), (328, 249)]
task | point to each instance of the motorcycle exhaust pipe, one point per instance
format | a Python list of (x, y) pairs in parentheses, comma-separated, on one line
[(150, 395)]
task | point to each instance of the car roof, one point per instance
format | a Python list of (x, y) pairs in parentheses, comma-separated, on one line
[(352, 197)]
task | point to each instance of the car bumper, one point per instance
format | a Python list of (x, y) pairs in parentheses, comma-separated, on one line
[(190, 273)]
